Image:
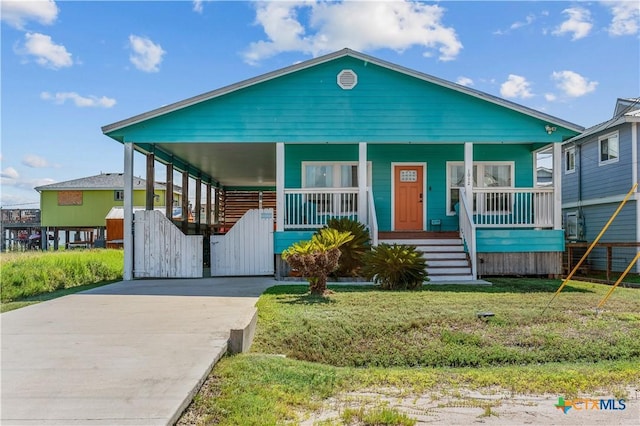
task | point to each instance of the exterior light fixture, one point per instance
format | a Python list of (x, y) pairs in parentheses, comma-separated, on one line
[(549, 129)]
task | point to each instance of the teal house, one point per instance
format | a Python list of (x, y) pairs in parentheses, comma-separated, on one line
[(347, 134)]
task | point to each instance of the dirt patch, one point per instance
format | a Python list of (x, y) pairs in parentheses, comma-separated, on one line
[(464, 407)]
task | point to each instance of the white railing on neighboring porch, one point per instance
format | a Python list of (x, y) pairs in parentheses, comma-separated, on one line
[(308, 208), (513, 207), (468, 230)]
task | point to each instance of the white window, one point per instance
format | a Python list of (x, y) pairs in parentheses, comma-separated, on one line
[(609, 148), (118, 195), (570, 160), (497, 174), (332, 175)]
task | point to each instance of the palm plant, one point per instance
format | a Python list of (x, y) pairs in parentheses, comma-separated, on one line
[(351, 252), (395, 267), (318, 257)]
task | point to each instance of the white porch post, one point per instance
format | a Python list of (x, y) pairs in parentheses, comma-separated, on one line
[(128, 212), (280, 200), (362, 182), (634, 179), (557, 186), (468, 173)]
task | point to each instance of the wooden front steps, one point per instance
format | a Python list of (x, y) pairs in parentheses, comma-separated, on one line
[(444, 252)]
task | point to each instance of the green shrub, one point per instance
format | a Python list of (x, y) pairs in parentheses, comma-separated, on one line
[(352, 252), (395, 267), (318, 257)]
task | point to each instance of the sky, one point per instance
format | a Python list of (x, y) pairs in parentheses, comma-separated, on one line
[(70, 67)]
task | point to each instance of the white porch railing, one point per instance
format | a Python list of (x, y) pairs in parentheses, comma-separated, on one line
[(308, 208), (513, 207), (372, 219), (468, 231)]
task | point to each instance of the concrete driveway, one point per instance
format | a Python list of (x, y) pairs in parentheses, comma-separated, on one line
[(130, 353)]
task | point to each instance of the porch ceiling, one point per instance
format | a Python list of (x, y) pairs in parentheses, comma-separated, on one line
[(231, 164)]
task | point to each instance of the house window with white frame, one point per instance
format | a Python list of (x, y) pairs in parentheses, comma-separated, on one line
[(333, 175), (609, 148), (118, 195), (499, 174), (570, 160)]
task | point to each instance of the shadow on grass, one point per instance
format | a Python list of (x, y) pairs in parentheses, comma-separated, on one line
[(498, 285)]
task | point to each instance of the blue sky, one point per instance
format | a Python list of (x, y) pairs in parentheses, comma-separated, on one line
[(70, 67)]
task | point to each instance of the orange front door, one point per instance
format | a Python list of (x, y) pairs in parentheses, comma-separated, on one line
[(408, 198)]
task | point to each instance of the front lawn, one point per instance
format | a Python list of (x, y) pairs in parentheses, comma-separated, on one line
[(308, 350)]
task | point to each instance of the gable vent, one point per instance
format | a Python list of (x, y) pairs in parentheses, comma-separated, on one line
[(347, 79)]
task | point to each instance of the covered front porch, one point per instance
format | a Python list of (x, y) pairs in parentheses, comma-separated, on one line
[(490, 220)]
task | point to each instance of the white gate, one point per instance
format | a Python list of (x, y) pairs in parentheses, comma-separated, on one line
[(247, 249), (162, 250)]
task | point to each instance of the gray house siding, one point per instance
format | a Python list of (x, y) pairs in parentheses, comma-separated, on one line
[(604, 180), (623, 229)]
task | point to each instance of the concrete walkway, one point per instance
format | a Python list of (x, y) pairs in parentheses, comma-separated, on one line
[(130, 353)]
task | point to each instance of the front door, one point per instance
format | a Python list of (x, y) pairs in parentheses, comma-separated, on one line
[(408, 197)]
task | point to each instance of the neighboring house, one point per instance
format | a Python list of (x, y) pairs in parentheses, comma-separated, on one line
[(347, 134), (81, 205), (600, 167)]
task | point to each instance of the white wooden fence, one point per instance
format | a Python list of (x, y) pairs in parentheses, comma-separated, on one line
[(247, 249), (162, 250)]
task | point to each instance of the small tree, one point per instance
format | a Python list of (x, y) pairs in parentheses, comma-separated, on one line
[(318, 257)]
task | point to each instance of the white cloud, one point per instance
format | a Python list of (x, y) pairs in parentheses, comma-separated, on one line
[(516, 86), (197, 6), (517, 25), (578, 24), (46, 52), (17, 12), (626, 17), (464, 81), (550, 97), (360, 25), (146, 55), (35, 161), (9, 173), (573, 84), (79, 101)]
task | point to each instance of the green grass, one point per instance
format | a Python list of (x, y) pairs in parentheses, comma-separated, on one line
[(258, 389), (10, 306), (438, 326), (427, 342), (30, 274)]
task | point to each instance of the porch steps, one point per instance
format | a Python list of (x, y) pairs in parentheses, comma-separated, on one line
[(446, 259)]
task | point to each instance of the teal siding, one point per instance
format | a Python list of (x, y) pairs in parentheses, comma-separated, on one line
[(283, 240), (308, 106), (435, 155), (519, 240)]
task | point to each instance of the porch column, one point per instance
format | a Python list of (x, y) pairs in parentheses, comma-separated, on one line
[(216, 207), (634, 179), (468, 173), (150, 194), (557, 186), (362, 182), (168, 196), (208, 208), (280, 199), (128, 212), (185, 201), (198, 207)]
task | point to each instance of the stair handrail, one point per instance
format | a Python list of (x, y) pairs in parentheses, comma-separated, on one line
[(467, 230), (372, 219)]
